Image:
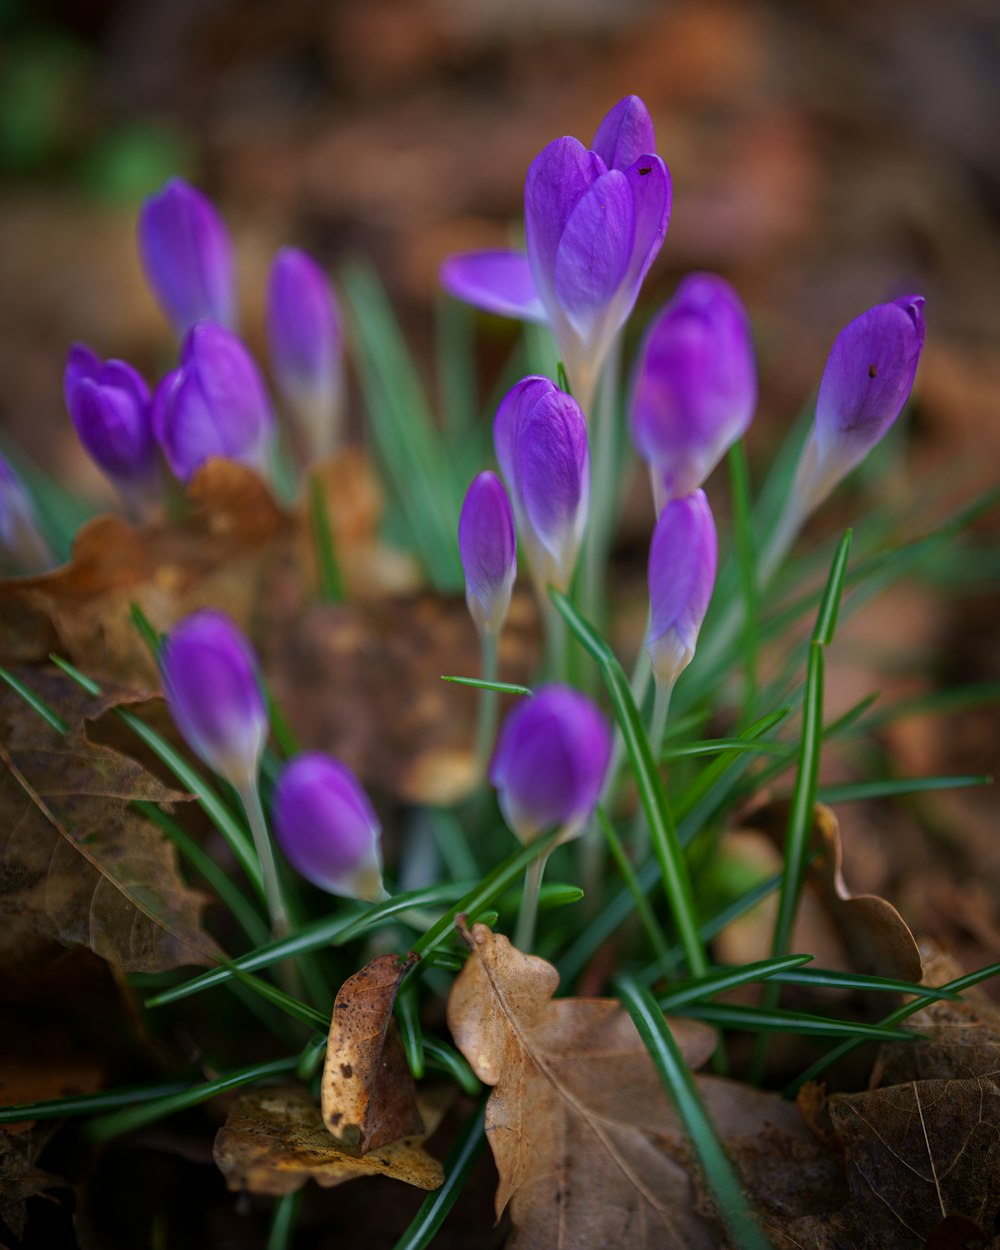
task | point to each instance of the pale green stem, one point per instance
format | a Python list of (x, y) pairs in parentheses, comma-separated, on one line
[(556, 635), (489, 703), (524, 934), (603, 487), (661, 709), (250, 798)]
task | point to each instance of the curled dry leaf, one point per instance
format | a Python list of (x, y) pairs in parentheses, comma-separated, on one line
[(77, 863), (578, 1121), (368, 1095), (20, 1178), (274, 1140)]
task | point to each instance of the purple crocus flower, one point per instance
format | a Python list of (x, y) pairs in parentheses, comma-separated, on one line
[(306, 342), (866, 382), (550, 761), (110, 407), (488, 547), (215, 404), (327, 829), (187, 256), (682, 561), (213, 689), (694, 387), (594, 221), (23, 548), (540, 436)]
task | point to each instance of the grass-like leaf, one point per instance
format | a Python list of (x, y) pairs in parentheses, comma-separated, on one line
[(776, 1020), (283, 1221), (825, 978), (34, 701), (331, 583), (852, 792), (683, 1092), (407, 1012), (447, 1059), (657, 940), (723, 746), (504, 687), (89, 1104), (458, 1165), (719, 980), (746, 559)]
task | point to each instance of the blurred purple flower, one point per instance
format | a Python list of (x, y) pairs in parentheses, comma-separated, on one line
[(694, 386), (540, 436), (866, 382), (550, 761), (214, 404), (682, 561), (23, 548), (306, 342), (327, 829), (213, 689), (110, 407), (187, 256), (488, 546), (594, 222)]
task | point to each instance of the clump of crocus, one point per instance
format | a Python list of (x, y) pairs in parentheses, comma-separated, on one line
[(23, 546), (327, 828), (212, 684), (694, 386), (306, 344), (548, 770), (187, 256), (594, 221), (110, 407), (214, 404)]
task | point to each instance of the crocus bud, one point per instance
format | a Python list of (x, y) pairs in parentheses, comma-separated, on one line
[(187, 256), (110, 407), (306, 343), (540, 437), (866, 382), (327, 829), (694, 387), (23, 548), (488, 546), (594, 222), (550, 761), (215, 404), (682, 560), (213, 689)]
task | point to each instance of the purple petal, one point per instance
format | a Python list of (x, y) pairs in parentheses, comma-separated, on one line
[(114, 428), (326, 826), (498, 282), (514, 404), (595, 250), (81, 362), (625, 134), (682, 563), (649, 180), (303, 326), (558, 178), (488, 547), (120, 374), (212, 686), (184, 424), (233, 390), (187, 256)]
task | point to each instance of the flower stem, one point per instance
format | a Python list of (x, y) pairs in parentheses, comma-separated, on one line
[(489, 704), (524, 934), (250, 798), (603, 487)]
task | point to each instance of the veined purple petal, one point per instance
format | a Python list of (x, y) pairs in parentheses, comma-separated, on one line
[(522, 396), (498, 282), (625, 134), (557, 179), (682, 562), (326, 827), (649, 180), (184, 424), (212, 686), (549, 765), (694, 387), (488, 547), (115, 429), (81, 363), (187, 256), (594, 251)]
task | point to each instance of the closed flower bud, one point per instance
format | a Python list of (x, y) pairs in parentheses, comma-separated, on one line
[(488, 547), (541, 444), (23, 548), (110, 407), (327, 829), (866, 382), (213, 689), (682, 560), (306, 344), (187, 256), (550, 761), (694, 387), (215, 404)]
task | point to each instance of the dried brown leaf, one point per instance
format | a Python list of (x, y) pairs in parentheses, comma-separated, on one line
[(274, 1140), (77, 863), (368, 1095), (20, 1178), (578, 1121)]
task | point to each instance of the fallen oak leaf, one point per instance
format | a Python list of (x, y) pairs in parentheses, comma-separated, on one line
[(20, 1177), (274, 1140), (368, 1093), (578, 1118)]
